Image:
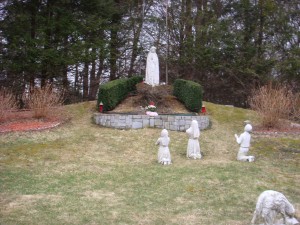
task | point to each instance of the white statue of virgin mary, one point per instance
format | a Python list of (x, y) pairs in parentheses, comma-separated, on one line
[(152, 68)]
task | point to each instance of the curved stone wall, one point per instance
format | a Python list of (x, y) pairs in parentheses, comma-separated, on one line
[(169, 122)]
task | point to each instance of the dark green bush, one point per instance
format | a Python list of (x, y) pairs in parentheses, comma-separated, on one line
[(189, 93), (131, 82), (178, 87), (113, 92)]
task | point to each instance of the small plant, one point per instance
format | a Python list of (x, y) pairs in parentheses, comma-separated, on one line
[(151, 107), (42, 100), (8, 102), (273, 103)]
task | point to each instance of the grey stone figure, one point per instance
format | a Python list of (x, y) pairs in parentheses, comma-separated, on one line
[(269, 205)]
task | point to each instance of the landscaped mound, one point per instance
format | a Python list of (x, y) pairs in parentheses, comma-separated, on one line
[(161, 96), (165, 98)]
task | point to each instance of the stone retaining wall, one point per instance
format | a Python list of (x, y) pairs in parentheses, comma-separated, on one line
[(169, 122)]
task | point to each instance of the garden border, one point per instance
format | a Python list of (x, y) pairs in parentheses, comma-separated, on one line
[(169, 122)]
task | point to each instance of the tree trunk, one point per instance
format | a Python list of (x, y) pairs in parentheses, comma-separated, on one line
[(115, 23), (65, 80), (47, 45), (76, 79), (182, 38), (93, 81), (85, 81), (261, 29), (136, 38), (32, 74), (200, 23), (189, 39)]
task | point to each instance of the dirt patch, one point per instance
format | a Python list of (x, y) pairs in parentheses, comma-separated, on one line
[(292, 150), (288, 129), (99, 195)]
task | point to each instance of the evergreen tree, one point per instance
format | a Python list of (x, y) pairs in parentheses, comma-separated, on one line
[(227, 46)]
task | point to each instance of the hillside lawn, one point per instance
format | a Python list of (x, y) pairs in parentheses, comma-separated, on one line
[(80, 173)]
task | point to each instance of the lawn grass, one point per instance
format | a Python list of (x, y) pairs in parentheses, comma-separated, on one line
[(80, 173)]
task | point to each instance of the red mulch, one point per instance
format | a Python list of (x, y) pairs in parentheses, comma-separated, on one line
[(24, 121), (29, 125)]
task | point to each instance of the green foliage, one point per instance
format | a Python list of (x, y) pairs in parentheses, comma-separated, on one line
[(131, 82), (232, 44), (190, 93), (113, 92)]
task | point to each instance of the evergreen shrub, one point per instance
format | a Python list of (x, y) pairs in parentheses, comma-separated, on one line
[(189, 93), (133, 81), (113, 92)]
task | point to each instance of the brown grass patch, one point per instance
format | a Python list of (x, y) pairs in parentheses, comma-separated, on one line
[(109, 197), (23, 202)]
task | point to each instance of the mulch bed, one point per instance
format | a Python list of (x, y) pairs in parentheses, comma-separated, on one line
[(27, 125), (24, 121)]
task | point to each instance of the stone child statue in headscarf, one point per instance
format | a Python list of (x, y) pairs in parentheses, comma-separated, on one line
[(193, 148), (164, 156), (152, 68)]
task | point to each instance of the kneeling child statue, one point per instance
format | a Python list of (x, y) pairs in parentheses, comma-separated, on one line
[(244, 141)]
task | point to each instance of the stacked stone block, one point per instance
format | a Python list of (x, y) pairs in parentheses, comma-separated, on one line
[(169, 122)]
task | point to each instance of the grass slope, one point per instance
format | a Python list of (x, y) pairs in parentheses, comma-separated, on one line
[(80, 173)]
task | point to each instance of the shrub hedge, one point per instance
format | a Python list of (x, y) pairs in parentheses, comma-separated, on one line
[(113, 92), (189, 93)]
